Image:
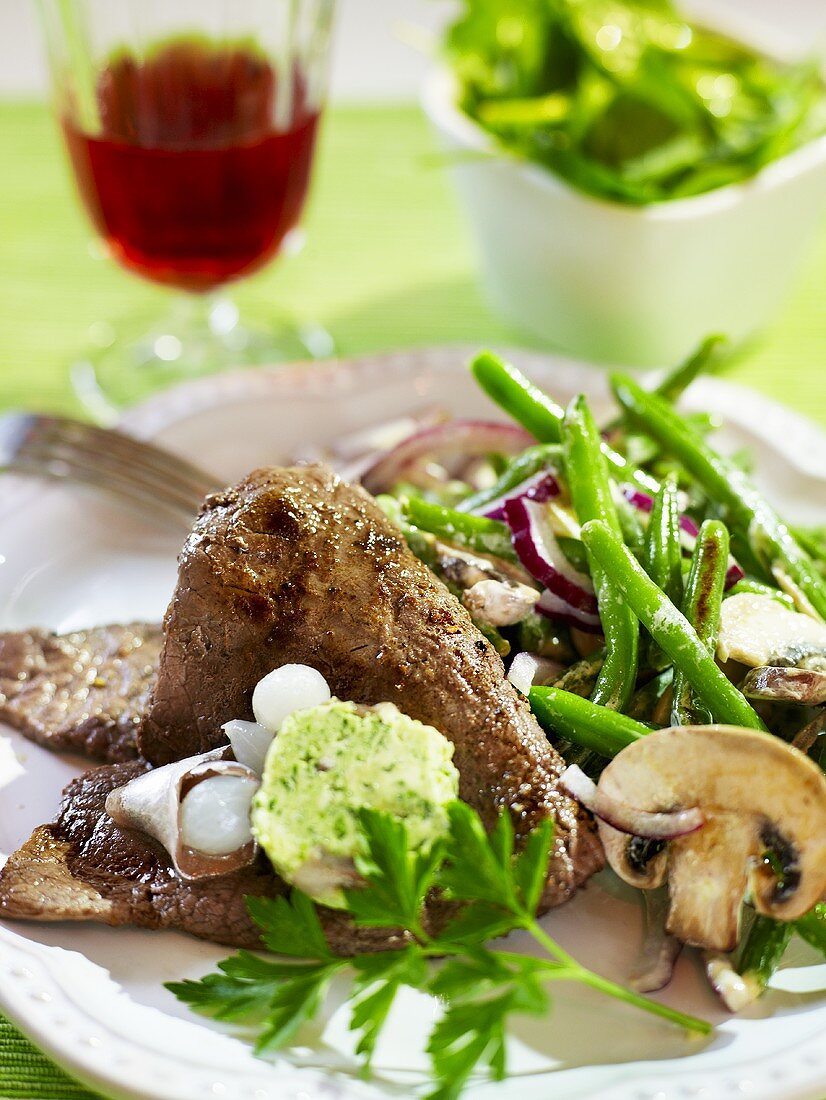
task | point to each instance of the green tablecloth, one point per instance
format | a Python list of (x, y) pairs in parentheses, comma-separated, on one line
[(387, 264)]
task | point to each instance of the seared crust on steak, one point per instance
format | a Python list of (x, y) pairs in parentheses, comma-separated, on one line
[(295, 565), (82, 692)]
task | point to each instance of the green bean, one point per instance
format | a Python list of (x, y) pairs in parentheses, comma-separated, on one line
[(633, 532), (663, 553), (575, 552), (762, 949), (518, 396), (590, 491), (535, 411), (487, 536), (669, 628), (724, 483), (813, 541), (812, 927), (584, 723), (499, 642), (743, 551), (526, 464), (674, 383), (707, 357), (701, 606), (757, 588)]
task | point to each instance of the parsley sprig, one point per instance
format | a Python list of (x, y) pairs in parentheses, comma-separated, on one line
[(496, 888)]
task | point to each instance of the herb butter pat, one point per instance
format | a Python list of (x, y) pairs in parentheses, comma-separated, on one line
[(328, 762)]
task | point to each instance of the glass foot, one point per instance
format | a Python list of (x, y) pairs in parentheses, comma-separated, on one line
[(200, 336)]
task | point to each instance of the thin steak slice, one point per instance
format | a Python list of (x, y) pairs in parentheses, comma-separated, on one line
[(82, 692), (83, 867)]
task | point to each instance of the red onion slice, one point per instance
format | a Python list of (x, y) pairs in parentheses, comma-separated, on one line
[(689, 530), (356, 452), (441, 441), (541, 486), (627, 819), (536, 547), (554, 607)]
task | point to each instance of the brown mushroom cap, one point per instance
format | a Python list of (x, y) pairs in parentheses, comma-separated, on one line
[(757, 794)]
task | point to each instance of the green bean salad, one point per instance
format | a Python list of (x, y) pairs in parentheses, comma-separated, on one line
[(633, 580), (628, 100)]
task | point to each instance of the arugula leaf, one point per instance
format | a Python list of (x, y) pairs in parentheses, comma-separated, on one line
[(627, 99)]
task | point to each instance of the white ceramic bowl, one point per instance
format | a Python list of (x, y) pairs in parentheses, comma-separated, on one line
[(630, 285)]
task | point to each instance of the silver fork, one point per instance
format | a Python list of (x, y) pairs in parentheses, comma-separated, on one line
[(140, 474)]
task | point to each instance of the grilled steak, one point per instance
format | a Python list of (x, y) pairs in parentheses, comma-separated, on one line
[(82, 692), (83, 867), (293, 565)]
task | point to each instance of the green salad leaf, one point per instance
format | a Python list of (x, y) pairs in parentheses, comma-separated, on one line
[(627, 99)]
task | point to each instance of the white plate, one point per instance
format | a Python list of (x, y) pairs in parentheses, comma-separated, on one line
[(93, 997)]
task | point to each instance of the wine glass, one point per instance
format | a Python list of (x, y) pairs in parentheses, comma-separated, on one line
[(190, 127)]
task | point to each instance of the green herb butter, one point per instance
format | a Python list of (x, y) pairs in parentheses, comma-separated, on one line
[(329, 761)]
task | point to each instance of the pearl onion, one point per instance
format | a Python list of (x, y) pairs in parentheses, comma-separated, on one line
[(287, 689), (215, 814)]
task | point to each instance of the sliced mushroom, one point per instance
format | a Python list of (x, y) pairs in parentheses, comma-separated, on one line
[(464, 569), (156, 803), (496, 593), (499, 603), (759, 797), (736, 991), (786, 685), (654, 965), (758, 630)]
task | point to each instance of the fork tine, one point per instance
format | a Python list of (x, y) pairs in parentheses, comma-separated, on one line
[(113, 443), (130, 492), (65, 464), (109, 463), (63, 449)]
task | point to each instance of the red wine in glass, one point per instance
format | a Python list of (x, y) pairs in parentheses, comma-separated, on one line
[(201, 162)]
